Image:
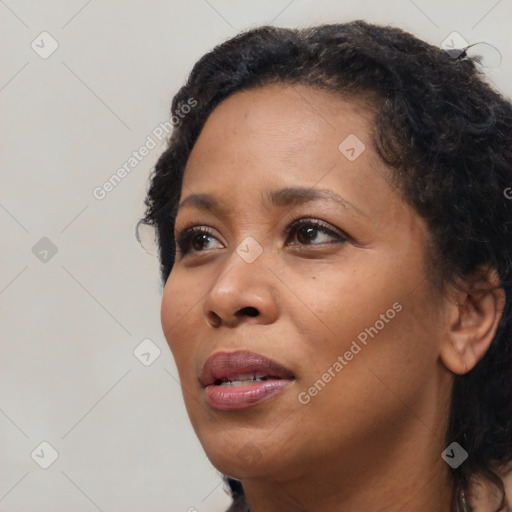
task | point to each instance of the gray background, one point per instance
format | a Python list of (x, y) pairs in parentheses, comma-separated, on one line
[(70, 321)]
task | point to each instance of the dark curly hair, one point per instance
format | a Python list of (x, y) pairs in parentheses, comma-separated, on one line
[(447, 137)]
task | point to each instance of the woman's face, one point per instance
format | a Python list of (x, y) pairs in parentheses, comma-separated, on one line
[(338, 299)]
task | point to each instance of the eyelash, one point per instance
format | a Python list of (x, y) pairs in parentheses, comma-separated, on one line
[(185, 236)]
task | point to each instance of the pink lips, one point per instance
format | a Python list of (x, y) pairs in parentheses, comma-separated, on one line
[(237, 380)]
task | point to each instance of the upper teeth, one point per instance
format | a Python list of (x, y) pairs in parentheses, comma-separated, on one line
[(239, 379)]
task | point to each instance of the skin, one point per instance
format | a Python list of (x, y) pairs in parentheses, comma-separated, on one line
[(371, 439)]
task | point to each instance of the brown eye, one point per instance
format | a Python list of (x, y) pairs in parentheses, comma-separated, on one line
[(307, 231), (199, 241), (194, 240)]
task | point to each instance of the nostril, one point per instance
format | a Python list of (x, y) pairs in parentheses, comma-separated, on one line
[(214, 319), (249, 311)]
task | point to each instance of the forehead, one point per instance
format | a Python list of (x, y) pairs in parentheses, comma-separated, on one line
[(287, 128)]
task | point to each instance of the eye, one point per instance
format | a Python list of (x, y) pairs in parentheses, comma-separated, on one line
[(307, 231), (197, 238), (194, 239)]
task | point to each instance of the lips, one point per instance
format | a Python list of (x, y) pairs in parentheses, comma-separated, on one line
[(236, 380), (224, 367)]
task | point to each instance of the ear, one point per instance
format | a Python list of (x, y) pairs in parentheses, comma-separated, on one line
[(473, 316)]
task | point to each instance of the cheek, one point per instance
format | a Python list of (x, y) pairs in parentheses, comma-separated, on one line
[(379, 318), (181, 302), (338, 300), (374, 384)]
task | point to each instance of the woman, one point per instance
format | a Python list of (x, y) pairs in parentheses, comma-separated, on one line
[(335, 242)]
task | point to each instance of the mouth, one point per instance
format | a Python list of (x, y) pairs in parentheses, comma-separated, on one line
[(237, 380)]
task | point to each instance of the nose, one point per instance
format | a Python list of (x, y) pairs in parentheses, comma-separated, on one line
[(244, 292)]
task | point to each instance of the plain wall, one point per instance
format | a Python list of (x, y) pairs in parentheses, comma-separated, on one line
[(70, 321)]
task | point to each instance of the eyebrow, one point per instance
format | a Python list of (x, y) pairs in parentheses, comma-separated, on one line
[(290, 196)]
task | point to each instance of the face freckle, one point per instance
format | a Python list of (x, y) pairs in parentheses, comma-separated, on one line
[(364, 297)]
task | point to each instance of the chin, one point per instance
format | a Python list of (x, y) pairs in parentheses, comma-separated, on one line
[(248, 455), (247, 461)]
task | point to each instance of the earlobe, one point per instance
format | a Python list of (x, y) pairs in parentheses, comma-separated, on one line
[(472, 322)]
